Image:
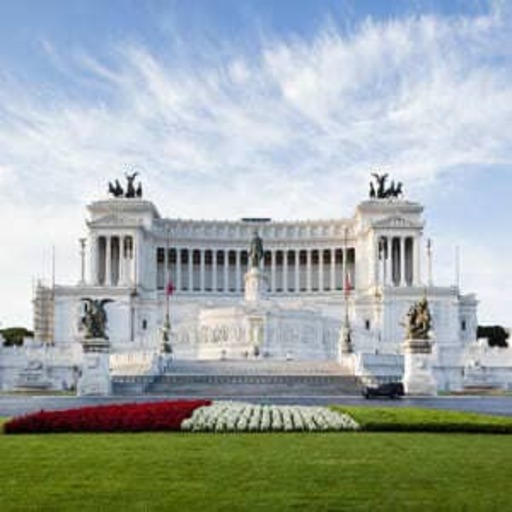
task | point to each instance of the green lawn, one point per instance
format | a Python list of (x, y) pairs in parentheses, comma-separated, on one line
[(412, 419), (183, 472)]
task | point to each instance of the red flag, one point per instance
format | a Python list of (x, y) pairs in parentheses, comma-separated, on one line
[(348, 284), (170, 288)]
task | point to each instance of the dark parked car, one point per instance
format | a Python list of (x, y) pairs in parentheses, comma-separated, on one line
[(389, 389)]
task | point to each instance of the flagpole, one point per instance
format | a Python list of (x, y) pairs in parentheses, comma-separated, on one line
[(166, 259), (166, 330), (429, 261), (346, 342)]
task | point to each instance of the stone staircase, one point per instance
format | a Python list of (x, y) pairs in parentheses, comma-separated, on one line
[(243, 378)]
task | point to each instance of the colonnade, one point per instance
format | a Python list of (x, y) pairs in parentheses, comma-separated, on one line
[(398, 262), (288, 270), (113, 261)]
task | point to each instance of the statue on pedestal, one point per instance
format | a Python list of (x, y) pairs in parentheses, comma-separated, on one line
[(95, 318), (256, 251), (255, 281), (419, 321)]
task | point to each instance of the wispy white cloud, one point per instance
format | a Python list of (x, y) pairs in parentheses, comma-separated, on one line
[(289, 131)]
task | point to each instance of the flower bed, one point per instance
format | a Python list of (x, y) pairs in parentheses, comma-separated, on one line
[(150, 416), (245, 417), (186, 415)]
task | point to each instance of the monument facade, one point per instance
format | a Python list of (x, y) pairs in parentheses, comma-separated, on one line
[(257, 289)]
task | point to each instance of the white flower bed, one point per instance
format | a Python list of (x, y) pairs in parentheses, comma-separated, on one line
[(245, 417)]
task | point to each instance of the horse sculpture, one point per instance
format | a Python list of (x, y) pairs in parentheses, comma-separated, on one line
[(130, 189), (116, 190), (381, 192), (419, 321)]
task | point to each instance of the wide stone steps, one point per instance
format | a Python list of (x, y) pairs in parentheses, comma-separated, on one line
[(242, 383)]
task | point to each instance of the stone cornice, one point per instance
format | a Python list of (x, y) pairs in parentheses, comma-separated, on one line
[(123, 206), (387, 206)]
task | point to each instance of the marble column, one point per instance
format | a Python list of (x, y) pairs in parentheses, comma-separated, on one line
[(320, 270), (415, 261), (344, 267), (402, 261), (167, 273), (308, 271), (214, 270), (226, 271), (190, 270), (238, 272), (285, 271), (108, 261), (94, 258), (178, 269), (389, 260), (333, 270), (297, 271), (202, 265), (273, 271)]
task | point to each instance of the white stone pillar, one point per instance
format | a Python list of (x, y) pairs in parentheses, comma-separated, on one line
[(178, 269), (344, 258), (214, 270), (308, 270), (94, 258), (202, 266), (133, 264), (320, 270), (402, 261), (285, 271), (416, 261), (167, 274), (273, 271), (190, 270), (389, 260), (127, 261), (375, 277), (238, 272), (297, 273), (108, 261), (333, 270), (226, 271)]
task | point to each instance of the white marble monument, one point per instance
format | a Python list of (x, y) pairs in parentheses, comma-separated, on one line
[(418, 365), (231, 294)]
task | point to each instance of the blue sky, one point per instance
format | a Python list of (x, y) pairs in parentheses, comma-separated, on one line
[(233, 108)]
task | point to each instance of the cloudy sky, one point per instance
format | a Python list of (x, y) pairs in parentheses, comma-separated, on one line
[(233, 108)]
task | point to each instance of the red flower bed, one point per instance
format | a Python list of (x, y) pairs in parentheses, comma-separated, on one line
[(108, 418)]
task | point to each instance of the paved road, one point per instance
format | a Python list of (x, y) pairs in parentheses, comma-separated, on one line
[(15, 405)]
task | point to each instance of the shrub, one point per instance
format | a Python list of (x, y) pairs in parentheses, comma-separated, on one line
[(15, 335), (151, 416)]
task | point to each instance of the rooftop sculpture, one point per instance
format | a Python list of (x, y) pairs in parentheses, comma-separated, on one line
[(383, 192), (131, 191)]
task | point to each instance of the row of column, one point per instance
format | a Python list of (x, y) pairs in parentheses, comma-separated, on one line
[(397, 261), (113, 261), (295, 270)]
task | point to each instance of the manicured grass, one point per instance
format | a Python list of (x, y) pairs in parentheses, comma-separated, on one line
[(187, 472), (410, 419)]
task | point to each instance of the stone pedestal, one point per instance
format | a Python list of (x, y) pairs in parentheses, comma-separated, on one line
[(255, 285), (95, 378), (418, 375)]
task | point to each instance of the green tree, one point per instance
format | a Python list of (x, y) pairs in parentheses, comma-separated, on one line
[(14, 335)]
